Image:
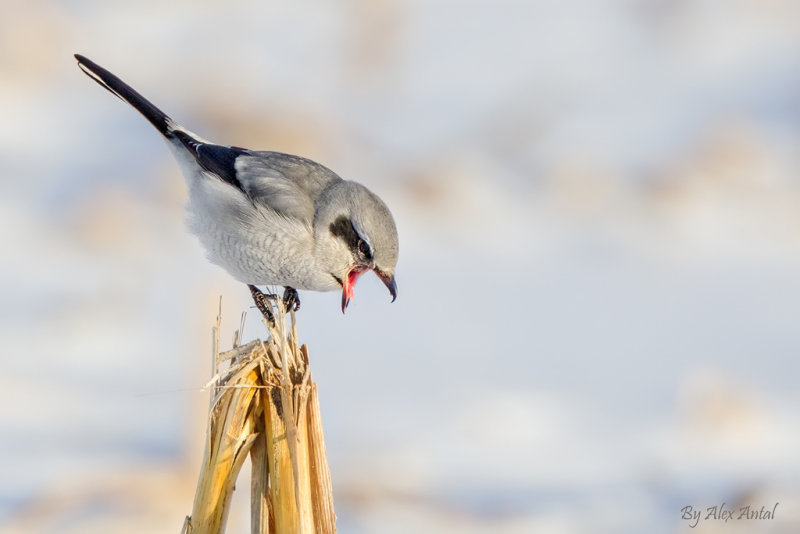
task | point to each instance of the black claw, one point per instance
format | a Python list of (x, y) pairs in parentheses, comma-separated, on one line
[(260, 299), (291, 300)]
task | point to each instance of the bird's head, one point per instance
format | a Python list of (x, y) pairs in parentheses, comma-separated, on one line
[(355, 234)]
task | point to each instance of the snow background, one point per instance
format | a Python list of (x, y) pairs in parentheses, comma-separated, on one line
[(598, 207)]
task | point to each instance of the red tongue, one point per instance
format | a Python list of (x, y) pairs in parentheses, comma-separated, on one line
[(349, 284)]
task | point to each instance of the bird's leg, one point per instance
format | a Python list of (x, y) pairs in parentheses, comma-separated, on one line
[(260, 299), (291, 300)]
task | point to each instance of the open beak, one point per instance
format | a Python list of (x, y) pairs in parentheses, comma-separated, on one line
[(350, 282)]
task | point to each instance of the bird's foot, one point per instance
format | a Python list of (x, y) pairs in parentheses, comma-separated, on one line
[(260, 299), (291, 300)]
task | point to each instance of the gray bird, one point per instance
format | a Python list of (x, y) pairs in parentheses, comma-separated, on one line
[(270, 218)]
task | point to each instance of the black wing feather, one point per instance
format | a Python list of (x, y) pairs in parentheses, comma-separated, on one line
[(217, 159)]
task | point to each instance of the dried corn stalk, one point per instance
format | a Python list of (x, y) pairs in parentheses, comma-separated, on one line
[(265, 404)]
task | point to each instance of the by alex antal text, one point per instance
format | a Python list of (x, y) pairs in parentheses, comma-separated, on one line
[(724, 513)]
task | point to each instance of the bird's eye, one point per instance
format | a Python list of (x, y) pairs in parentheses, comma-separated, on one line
[(364, 250)]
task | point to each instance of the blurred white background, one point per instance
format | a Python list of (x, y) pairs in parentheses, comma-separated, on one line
[(599, 212)]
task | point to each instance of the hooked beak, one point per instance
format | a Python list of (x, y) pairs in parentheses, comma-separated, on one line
[(388, 280)]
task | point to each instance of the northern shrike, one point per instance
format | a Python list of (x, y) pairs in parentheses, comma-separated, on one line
[(270, 218)]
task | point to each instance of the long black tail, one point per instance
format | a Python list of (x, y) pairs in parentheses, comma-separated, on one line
[(157, 118)]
